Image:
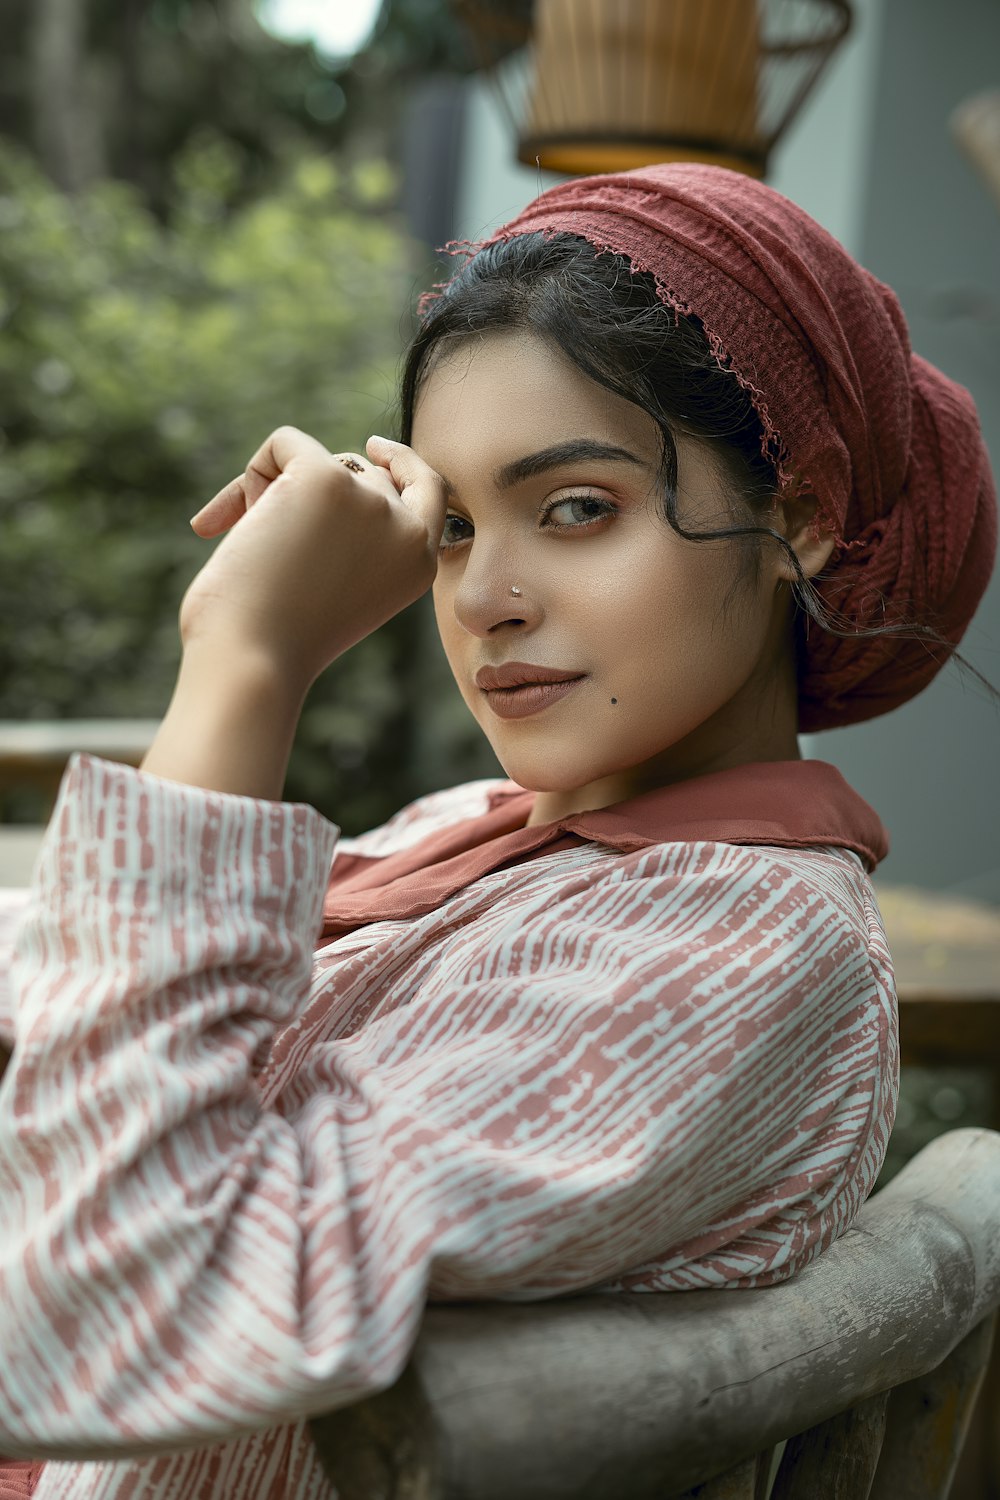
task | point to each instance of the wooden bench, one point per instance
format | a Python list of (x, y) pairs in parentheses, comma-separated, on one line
[(946, 958), (34, 753), (866, 1364)]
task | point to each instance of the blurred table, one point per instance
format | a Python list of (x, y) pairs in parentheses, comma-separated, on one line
[(946, 957), (19, 845), (35, 753)]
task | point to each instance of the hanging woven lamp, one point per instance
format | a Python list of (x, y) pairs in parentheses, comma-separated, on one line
[(611, 84)]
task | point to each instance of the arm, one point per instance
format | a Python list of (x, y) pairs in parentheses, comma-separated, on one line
[(229, 726), (289, 589), (227, 730), (170, 935), (517, 1128)]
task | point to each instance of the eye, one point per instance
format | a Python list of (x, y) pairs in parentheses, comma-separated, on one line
[(604, 508), (579, 510), (453, 534)]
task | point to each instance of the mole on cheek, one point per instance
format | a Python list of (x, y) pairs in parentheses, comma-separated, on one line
[(614, 700)]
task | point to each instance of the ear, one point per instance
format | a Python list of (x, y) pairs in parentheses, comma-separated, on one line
[(813, 547)]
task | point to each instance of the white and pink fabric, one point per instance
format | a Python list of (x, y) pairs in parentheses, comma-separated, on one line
[(260, 1110)]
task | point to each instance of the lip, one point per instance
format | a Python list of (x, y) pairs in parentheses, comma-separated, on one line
[(518, 703), (514, 674)]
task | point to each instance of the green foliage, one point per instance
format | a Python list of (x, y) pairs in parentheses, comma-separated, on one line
[(140, 367), (119, 90)]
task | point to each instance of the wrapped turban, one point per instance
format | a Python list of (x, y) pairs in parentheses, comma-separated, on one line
[(890, 447)]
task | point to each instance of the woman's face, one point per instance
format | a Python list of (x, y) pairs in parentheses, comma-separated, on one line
[(552, 485)]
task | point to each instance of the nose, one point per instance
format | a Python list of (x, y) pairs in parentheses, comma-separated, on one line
[(483, 601)]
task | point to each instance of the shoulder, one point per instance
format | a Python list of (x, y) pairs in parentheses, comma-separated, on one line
[(701, 895), (675, 867), (428, 814)]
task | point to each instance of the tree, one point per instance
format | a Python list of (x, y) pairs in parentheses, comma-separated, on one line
[(141, 364), (98, 88), (119, 88)]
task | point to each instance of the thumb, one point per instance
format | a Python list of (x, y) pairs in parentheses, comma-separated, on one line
[(418, 484)]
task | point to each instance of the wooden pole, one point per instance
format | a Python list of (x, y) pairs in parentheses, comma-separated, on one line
[(928, 1421), (837, 1458)]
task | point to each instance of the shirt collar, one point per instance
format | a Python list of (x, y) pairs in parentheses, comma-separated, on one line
[(790, 804)]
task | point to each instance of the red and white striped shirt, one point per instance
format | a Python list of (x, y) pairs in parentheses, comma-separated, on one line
[(259, 1113)]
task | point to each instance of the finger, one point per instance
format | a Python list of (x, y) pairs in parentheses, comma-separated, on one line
[(274, 456), (222, 511), (356, 462), (418, 484), (271, 459), (369, 473)]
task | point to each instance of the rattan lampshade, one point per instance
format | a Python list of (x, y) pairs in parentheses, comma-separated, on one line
[(613, 84)]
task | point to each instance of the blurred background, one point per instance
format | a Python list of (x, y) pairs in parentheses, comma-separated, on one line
[(216, 216), (203, 235)]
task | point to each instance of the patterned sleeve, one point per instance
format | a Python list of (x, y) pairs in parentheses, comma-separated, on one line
[(695, 1055)]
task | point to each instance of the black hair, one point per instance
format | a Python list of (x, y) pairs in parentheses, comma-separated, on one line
[(612, 324)]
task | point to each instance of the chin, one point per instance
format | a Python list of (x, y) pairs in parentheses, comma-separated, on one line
[(541, 772)]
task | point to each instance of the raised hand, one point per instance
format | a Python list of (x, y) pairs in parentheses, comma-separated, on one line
[(321, 550)]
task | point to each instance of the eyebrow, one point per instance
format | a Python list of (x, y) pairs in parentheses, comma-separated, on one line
[(574, 450)]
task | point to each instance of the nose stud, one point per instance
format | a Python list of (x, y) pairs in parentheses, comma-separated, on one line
[(514, 591)]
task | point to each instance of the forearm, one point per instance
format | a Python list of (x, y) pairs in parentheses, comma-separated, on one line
[(230, 725), (169, 938)]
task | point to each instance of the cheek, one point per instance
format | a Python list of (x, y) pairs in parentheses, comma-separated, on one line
[(644, 617), (437, 599), (444, 614), (666, 642)]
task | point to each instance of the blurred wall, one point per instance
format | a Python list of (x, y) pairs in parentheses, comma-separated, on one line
[(871, 158), (929, 228)]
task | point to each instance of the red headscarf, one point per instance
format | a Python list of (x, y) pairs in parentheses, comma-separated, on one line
[(890, 447)]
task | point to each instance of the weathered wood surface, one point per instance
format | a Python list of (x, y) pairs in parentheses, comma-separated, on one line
[(645, 1395), (740, 1483), (837, 1458), (928, 1419), (385, 1448), (902, 1444), (749, 1480)]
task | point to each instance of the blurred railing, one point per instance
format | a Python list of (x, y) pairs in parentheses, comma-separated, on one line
[(34, 755)]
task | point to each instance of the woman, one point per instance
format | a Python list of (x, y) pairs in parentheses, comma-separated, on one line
[(623, 1019)]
